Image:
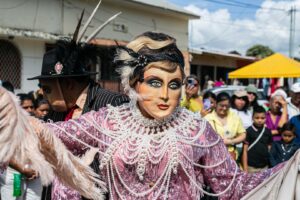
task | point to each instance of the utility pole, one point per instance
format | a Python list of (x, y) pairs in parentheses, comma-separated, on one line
[(292, 13)]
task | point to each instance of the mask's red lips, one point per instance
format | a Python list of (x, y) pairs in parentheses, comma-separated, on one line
[(163, 106)]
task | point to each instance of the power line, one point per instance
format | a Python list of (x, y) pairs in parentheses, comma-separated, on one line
[(247, 27), (225, 30), (243, 5)]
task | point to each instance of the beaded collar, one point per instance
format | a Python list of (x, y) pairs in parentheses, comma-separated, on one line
[(139, 118), (128, 116)]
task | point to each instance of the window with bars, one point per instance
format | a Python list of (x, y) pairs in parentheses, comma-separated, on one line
[(10, 63)]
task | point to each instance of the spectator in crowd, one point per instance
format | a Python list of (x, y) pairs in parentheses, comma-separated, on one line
[(296, 122), (252, 97), (9, 86), (209, 103), (192, 100), (210, 84), (227, 124), (219, 83), (293, 103), (26, 102), (277, 115), (283, 150), (41, 107), (265, 86), (31, 187), (206, 79), (240, 105), (257, 144)]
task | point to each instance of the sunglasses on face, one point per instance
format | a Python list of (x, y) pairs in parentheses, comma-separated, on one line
[(251, 93)]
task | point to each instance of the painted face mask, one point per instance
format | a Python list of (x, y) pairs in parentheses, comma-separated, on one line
[(53, 93), (160, 91)]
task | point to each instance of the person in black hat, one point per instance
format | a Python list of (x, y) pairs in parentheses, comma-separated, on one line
[(67, 85), (65, 77)]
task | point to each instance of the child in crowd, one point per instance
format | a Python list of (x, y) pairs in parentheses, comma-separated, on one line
[(283, 150), (257, 144), (42, 107)]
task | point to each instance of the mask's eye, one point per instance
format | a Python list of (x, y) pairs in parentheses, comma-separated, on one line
[(46, 89), (154, 83), (174, 85)]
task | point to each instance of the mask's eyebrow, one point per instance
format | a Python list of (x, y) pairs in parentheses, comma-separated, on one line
[(152, 77), (177, 80)]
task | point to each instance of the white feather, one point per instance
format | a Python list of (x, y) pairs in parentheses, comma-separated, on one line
[(27, 140)]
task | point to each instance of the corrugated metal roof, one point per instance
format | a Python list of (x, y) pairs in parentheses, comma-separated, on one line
[(27, 33), (164, 4), (204, 51)]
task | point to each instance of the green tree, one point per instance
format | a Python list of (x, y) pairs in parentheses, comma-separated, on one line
[(259, 51)]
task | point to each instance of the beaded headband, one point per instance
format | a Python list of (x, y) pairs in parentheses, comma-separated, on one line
[(140, 60)]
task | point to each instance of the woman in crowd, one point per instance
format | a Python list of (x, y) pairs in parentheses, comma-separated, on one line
[(192, 100), (277, 115), (252, 96), (151, 148), (209, 103), (240, 105), (227, 124)]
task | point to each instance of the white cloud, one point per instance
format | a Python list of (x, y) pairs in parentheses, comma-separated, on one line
[(219, 31)]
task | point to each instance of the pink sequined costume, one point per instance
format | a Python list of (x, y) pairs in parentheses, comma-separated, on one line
[(149, 159)]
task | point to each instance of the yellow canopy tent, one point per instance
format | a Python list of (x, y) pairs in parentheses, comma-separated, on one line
[(274, 66)]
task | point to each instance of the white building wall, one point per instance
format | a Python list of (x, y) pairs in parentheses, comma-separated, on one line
[(39, 15), (50, 16), (32, 54), (136, 18)]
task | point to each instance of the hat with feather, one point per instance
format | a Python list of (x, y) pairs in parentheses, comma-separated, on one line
[(72, 57)]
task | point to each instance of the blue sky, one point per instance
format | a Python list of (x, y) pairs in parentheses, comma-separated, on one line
[(236, 11), (225, 28)]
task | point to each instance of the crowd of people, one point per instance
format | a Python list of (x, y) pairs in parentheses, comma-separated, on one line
[(148, 143), (257, 136)]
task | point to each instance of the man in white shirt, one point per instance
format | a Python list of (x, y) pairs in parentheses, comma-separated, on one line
[(293, 103)]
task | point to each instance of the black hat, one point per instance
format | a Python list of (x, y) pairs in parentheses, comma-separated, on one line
[(71, 57), (68, 59)]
